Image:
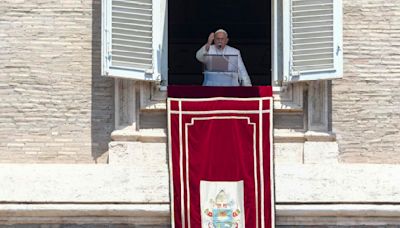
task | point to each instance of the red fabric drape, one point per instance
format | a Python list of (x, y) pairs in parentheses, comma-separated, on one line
[(220, 134)]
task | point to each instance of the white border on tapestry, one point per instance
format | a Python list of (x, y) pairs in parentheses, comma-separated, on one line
[(220, 112), (171, 187), (181, 165), (180, 112), (271, 163), (254, 153), (221, 98), (261, 151)]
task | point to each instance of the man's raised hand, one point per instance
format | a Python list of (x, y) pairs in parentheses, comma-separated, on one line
[(210, 41)]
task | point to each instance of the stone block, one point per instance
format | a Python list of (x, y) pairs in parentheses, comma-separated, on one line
[(321, 152), (288, 153), (137, 153)]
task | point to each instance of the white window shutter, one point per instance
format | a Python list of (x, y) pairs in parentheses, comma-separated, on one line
[(128, 43), (312, 40)]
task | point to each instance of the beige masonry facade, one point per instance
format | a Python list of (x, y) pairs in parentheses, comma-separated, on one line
[(366, 102), (104, 144), (55, 106)]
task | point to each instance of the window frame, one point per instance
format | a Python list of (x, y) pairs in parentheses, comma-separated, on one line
[(159, 46), (281, 54), (280, 49)]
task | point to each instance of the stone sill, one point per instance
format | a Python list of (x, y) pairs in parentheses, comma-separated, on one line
[(73, 209), (154, 106), (143, 135), (289, 135), (338, 214), (158, 102), (159, 214), (280, 135), (335, 210), (305, 210), (138, 214), (146, 181), (162, 107), (279, 107)]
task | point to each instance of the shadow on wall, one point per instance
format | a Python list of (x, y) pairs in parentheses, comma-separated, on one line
[(102, 120)]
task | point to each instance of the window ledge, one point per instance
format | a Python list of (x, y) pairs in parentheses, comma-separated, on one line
[(290, 135), (160, 135), (159, 214), (143, 135)]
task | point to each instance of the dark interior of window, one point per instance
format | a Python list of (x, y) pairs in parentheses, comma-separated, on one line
[(248, 23)]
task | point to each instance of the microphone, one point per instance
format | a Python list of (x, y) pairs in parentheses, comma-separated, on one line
[(219, 45)]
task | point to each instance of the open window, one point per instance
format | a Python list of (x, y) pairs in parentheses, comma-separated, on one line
[(306, 41), (308, 37), (248, 23), (133, 38)]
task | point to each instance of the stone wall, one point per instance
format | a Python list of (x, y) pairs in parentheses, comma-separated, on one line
[(366, 102), (55, 106)]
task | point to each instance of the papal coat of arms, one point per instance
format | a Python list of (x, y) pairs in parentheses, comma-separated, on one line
[(223, 209)]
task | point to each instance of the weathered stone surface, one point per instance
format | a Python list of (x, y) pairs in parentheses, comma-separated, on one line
[(138, 154), (338, 215), (321, 152), (55, 106), (355, 183), (34, 193), (105, 224), (288, 153), (366, 102), (144, 182), (122, 215), (148, 182), (85, 215)]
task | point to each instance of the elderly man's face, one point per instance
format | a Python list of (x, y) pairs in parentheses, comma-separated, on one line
[(220, 40)]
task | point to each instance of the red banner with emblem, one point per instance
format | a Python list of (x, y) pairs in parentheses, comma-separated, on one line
[(220, 154)]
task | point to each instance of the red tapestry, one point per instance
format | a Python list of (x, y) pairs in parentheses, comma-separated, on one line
[(220, 152)]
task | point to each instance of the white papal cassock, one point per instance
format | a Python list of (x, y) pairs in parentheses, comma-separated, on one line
[(224, 78)]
